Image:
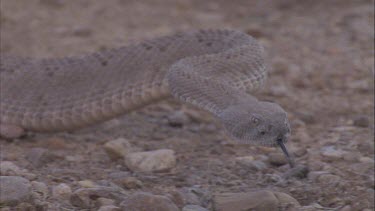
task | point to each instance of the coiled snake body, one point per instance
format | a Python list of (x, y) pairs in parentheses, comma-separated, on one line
[(212, 69)]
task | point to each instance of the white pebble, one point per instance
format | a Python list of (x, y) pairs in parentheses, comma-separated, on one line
[(157, 160), (118, 148)]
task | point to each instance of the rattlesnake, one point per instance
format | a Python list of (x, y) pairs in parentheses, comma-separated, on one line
[(212, 69)]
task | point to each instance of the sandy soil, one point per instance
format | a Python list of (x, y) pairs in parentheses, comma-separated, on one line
[(321, 72)]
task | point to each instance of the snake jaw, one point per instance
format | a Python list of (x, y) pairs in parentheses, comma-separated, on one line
[(285, 151)]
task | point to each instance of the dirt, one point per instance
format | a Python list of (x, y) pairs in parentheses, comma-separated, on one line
[(321, 71)]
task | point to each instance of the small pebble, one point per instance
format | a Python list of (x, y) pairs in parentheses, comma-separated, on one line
[(131, 183), (299, 152), (157, 160), (258, 165), (62, 191), (273, 178), (118, 148), (331, 153), (86, 184), (277, 159), (245, 159)]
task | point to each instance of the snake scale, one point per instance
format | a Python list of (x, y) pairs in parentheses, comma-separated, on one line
[(215, 70)]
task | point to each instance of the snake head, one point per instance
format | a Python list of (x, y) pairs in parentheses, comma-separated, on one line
[(258, 123)]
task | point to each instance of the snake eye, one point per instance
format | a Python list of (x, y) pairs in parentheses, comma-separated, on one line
[(262, 133), (255, 120)]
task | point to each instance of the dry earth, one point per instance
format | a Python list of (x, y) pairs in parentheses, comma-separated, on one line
[(321, 61)]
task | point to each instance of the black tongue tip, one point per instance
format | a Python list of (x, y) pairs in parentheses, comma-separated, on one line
[(282, 146)]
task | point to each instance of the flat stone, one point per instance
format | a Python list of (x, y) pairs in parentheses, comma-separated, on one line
[(11, 131), (118, 148), (62, 191), (14, 190), (260, 200), (147, 201), (157, 160), (193, 207), (331, 153)]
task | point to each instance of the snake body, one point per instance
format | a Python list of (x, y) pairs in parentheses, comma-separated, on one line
[(212, 69)]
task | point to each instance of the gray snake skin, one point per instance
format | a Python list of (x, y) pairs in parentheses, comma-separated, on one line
[(212, 69)]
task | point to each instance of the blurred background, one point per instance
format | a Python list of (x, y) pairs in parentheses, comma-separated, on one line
[(321, 71)]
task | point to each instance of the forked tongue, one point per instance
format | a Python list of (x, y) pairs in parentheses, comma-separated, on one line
[(282, 146)]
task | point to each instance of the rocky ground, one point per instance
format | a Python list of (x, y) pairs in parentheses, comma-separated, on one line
[(170, 156)]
